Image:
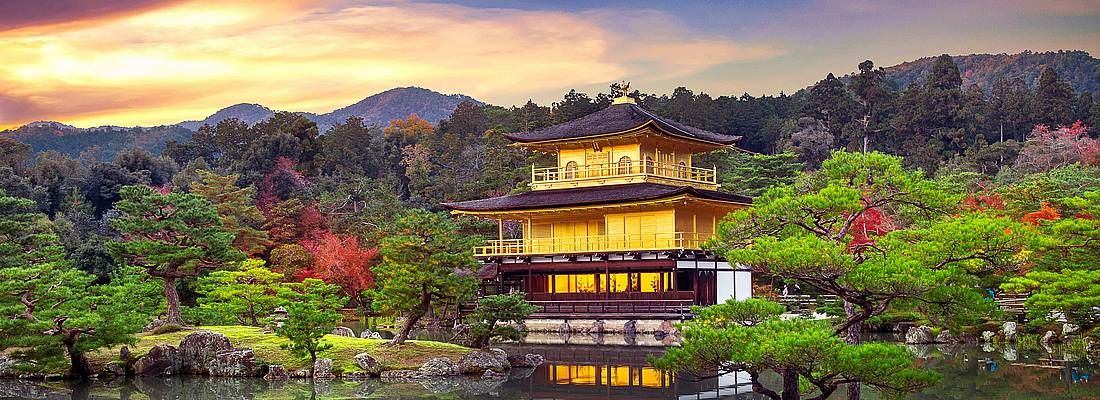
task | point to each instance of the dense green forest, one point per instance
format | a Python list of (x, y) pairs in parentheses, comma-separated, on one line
[(348, 180), (335, 205)]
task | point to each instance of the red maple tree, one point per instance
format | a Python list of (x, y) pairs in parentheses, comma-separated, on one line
[(873, 222), (1045, 212), (340, 260)]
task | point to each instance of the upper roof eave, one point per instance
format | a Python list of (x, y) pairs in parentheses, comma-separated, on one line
[(618, 119)]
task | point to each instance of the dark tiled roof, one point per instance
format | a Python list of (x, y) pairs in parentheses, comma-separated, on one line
[(618, 118), (590, 196)]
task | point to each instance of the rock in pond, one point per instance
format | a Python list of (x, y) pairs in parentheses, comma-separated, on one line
[(597, 327), (343, 331), (630, 328), (355, 376), (399, 375), (276, 373), (439, 366), (919, 335), (477, 362), (494, 375), (233, 363), (368, 363), (1009, 329), (501, 356), (525, 360), (945, 337), (668, 328), (322, 369), (198, 348), (1069, 329), (161, 360), (113, 369), (1047, 337)]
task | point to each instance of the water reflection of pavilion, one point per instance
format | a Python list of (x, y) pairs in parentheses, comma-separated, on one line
[(590, 372)]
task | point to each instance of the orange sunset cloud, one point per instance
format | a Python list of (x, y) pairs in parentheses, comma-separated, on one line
[(184, 60)]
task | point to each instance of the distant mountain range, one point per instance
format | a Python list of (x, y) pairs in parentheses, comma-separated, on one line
[(379, 108), (1081, 70), (104, 142)]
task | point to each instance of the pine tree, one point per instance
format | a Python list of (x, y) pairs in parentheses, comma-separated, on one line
[(1054, 99), (236, 208), (51, 313), (171, 236), (242, 296), (424, 260)]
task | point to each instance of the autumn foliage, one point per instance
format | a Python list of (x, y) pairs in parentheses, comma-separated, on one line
[(1045, 213), (342, 261), (870, 223), (1051, 148)]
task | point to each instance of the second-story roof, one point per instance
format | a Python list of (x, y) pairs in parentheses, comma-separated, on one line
[(585, 196), (618, 118)]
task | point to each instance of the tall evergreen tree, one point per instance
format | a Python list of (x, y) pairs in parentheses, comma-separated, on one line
[(236, 206), (1054, 99), (171, 236)]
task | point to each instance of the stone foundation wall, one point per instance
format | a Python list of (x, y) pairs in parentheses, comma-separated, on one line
[(593, 325)]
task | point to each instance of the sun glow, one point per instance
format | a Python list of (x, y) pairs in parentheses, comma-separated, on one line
[(320, 55)]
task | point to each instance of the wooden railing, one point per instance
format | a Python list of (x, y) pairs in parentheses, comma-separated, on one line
[(594, 243), (635, 168)]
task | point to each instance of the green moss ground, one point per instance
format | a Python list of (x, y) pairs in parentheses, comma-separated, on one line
[(269, 351)]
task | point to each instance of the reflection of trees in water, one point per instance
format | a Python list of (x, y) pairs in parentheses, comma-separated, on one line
[(208, 388), (974, 374)]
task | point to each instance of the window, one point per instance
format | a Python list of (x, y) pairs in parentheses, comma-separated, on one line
[(647, 162), (624, 165), (614, 283), (572, 284), (571, 170), (683, 170)]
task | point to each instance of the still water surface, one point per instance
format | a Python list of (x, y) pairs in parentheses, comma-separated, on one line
[(579, 368)]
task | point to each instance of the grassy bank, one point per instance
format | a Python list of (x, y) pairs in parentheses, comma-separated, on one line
[(269, 351)]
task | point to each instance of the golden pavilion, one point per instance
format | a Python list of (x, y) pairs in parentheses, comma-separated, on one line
[(615, 229)]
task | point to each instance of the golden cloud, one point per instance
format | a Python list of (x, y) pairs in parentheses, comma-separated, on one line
[(186, 60)]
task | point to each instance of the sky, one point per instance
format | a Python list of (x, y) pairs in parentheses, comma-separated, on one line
[(150, 62)]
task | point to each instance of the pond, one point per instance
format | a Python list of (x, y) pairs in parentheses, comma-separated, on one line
[(577, 368)]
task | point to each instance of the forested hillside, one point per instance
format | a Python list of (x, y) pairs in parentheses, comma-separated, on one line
[(100, 143), (1081, 70), (104, 143)]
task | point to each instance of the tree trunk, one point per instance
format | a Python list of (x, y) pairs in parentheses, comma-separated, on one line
[(80, 365), (758, 387), (28, 306), (790, 385), (312, 362), (413, 318), (852, 337), (173, 298)]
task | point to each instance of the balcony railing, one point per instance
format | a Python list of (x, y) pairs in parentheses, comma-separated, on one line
[(596, 243), (641, 169)]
